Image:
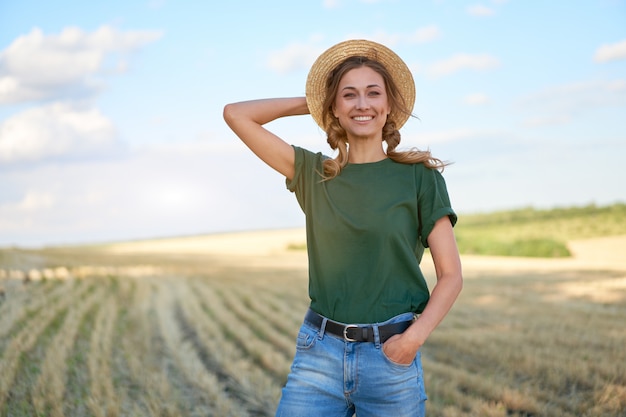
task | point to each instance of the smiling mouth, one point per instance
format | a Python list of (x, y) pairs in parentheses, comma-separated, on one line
[(362, 118)]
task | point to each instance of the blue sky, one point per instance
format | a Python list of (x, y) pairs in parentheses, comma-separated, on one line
[(111, 112)]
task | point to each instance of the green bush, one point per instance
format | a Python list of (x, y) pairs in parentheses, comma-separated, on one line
[(537, 233), (536, 248)]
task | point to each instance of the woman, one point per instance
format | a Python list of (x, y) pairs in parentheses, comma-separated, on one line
[(369, 214)]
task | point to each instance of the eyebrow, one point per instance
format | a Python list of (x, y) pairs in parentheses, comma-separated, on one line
[(349, 87)]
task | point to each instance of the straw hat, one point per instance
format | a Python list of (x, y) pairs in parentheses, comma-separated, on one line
[(328, 61)]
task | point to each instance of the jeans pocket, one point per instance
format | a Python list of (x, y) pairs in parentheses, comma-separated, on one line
[(401, 366), (306, 338)]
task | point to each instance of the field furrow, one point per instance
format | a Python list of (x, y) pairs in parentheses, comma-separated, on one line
[(26, 339), (241, 307), (103, 401), (282, 317), (25, 299), (199, 380), (77, 372), (49, 389), (259, 351), (28, 301), (289, 288), (236, 366), (140, 358)]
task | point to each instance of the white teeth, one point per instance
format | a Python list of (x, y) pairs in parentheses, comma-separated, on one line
[(362, 118)]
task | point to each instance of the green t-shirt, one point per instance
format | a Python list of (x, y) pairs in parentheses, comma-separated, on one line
[(366, 232)]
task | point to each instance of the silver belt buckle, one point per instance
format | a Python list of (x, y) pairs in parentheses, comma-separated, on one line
[(345, 332)]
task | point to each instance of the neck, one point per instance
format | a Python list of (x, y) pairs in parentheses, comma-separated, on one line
[(362, 153)]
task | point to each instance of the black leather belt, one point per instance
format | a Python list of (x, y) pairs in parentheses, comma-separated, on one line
[(356, 333)]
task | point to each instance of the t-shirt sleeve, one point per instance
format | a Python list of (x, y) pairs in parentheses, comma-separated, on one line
[(292, 184), (306, 171), (433, 202)]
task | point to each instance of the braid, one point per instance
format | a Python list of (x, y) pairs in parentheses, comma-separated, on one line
[(412, 156), (391, 135), (338, 140)]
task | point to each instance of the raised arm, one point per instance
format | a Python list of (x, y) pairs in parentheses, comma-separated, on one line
[(247, 118)]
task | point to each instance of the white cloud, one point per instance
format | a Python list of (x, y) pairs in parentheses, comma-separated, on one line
[(18, 215), (39, 67), (35, 200), (425, 34), (156, 4), (476, 99), (460, 62), (388, 39), (612, 52), (55, 131), (421, 35), (301, 55), (564, 103), (480, 10), (293, 57), (450, 135), (333, 4), (160, 190), (550, 120)]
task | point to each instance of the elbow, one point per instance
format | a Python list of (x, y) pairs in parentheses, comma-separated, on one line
[(454, 282), (458, 282), (452, 275), (228, 113)]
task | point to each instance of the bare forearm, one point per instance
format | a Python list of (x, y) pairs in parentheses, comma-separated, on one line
[(443, 296), (265, 110), (448, 268), (247, 118)]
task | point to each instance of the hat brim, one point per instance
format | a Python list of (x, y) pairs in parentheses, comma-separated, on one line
[(328, 61)]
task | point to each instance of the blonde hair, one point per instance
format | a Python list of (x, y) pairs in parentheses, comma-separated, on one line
[(337, 137)]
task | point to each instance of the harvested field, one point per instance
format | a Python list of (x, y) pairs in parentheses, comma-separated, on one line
[(206, 326)]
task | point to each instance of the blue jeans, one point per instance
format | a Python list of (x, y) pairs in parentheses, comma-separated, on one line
[(331, 377)]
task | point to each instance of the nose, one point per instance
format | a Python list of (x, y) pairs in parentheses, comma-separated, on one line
[(362, 102)]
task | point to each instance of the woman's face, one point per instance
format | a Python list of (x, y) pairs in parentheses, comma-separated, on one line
[(361, 103)]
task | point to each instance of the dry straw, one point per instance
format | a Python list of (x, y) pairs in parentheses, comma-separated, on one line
[(328, 61)]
